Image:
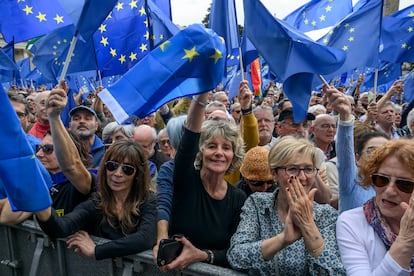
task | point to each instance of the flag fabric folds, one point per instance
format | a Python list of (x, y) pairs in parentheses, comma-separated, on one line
[(92, 15), (122, 39), (319, 14), (164, 6), (357, 38), (50, 53), (23, 20), (189, 63), (223, 21), (398, 36), (161, 27), (28, 189), (291, 55)]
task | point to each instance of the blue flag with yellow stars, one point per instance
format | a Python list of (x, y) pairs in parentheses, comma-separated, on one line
[(27, 190), (291, 55), (122, 39), (398, 36), (26, 19), (189, 63), (50, 53), (357, 38), (319, 14), (161, 27)]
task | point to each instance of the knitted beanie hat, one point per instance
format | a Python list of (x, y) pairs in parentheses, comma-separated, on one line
[(255, 165)]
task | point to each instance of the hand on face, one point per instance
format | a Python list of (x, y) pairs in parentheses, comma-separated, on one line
[(300, 203)]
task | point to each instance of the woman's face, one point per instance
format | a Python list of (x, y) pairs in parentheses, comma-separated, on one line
[(118, 180), (369, 147), (47, 157), (389, 197), (301, 161), (217, 155)]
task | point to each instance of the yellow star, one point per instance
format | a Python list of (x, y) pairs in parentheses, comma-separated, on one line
[(65, 40), (142, 11), (143, 47), (58, 42), (404, 45), (133, 56), (119, 6), (164, 44), (133, 4), (331, 32), (222, 40), (313, 23), (161, 37), (231, 57), (58, 19), (153, 37), (102, 28), (190, 54), (410, 29), (28, 10), (345, 48), (352, 30), (325, 41), (104, 41), (217, 55), (109, 16), (347, 25), (411, 14), (41, 17), (113, 52), (351, 38), (322, 18), (146, 35), (328, 8), (306, 21), (146, 23), (122, 59)]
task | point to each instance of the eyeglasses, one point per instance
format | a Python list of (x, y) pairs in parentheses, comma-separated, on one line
[(294, 125), (370, 150), (126, 169), (47, 148), (404, 185), (166, 141), (295, 171), (259, 183), (237, 111), (326, 126)]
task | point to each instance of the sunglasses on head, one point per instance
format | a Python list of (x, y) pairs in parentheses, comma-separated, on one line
[(404, 185), (259, 183), (126, 169), (47, 148)]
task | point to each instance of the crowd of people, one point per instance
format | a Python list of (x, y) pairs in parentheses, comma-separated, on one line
[(238, 182)]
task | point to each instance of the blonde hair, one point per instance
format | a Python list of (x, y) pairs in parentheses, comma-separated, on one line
[(212, 129)]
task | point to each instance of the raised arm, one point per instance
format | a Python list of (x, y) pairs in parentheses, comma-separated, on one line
[(196, 112), (66, 152)]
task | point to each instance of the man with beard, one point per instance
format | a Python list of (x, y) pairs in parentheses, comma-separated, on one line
[(84, 123), (266, 124)]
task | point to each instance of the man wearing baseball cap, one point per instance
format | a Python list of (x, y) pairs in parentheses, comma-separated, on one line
[(84, 123), (287, 126)]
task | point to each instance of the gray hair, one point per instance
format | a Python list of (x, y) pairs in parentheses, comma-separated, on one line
[(175, 130), (113, 127), (212, 129), (215, 104)]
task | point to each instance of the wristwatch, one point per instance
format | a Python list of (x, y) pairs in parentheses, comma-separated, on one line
[(210, 256)]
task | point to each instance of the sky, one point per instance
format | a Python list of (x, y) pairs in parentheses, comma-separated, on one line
[(186, 12)]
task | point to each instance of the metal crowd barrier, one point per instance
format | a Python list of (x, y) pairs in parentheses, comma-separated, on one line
[(26, 250)]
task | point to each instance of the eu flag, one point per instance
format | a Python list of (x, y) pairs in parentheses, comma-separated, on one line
[(189, 63), (398, 36), (50, 53), (293, 56), (160, 25), (122, 39), (23, 20), (27, 190), (223, 21), (387, 74), (319, 14), (358, 35)]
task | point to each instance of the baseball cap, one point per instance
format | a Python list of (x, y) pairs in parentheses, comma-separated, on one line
[(288, 114), (82, 107)]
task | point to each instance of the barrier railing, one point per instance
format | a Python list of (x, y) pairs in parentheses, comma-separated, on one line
[(26, 250)]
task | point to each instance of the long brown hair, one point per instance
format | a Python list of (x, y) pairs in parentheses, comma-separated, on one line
[(121, 151)]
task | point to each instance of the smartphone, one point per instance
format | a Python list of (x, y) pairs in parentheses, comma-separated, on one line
[(168, 251)]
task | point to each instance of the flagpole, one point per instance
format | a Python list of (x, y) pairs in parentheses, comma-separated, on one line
[(68, 58), (375, 83), (241, 63), (100, 78), (323, 80)]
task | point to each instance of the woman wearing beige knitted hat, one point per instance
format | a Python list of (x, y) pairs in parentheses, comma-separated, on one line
[(255, 171)]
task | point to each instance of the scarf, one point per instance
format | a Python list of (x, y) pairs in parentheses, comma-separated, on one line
[(39, 130), (381, 227)]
